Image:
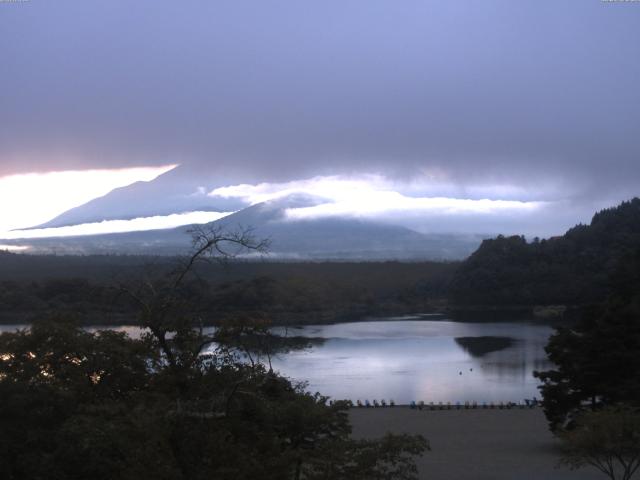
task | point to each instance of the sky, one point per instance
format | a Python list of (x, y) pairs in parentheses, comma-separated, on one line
[(529, 109), (33, 198)]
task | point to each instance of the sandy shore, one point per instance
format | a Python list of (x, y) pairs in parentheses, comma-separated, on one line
[(475, 444)]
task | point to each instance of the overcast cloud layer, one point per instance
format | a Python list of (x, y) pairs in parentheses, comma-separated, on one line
[(530, 100)]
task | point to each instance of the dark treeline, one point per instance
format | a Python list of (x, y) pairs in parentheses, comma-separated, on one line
[(573, 269), (591, 394), (596, 361), (93, 288)]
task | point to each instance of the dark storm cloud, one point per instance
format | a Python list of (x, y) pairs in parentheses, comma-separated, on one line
[(480, 91)]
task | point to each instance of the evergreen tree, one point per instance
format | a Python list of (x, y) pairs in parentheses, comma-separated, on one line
[(596, 360)]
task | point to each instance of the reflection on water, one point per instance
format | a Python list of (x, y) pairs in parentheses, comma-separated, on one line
[(132, 331), (420, 359), (480, 346)]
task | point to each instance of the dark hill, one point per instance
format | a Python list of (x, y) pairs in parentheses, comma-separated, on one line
[(572, 269)]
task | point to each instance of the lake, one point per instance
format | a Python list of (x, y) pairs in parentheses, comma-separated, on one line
[(412, 358), (417, 358)]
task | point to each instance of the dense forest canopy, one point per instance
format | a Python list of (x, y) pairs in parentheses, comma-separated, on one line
[(285, 292), (596, 361), (572, 269)]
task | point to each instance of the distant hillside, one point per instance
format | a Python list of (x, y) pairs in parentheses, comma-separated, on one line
[(572, 269), (325, 238)]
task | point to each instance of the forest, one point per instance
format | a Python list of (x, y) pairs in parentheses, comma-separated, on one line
[(93, 288), (572, 269)]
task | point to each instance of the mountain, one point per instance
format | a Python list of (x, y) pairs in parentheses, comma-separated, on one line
[(572, 269), (178, 191), (317, 238), (344, 238)]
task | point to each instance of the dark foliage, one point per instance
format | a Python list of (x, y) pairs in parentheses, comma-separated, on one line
[(77, 405), (608, 440), (597, 361), (573, 269), (287, 293)]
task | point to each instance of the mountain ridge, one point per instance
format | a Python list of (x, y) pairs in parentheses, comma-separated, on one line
[(173, 192), (314, 238)]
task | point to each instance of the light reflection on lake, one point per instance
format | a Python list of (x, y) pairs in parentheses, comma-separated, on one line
[(414, 359), (420, 360)]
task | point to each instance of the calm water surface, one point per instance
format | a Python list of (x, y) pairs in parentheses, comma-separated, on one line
[(421, 360), (414, 358)]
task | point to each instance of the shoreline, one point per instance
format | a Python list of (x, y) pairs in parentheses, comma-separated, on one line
[(92, 319)]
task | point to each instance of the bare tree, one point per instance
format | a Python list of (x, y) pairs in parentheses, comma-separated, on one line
[(163, 301), (608, 440)]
